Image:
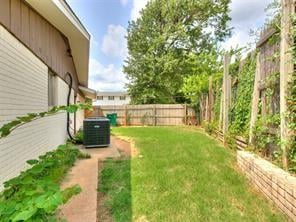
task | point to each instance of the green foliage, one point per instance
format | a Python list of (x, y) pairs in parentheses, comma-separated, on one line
[(165, 44), (35, 194), (217, 86), (291, 115), (78, 138), (230, 140), (242, 98), (262, 135), (204, 65), (209, 127), (6, 129)]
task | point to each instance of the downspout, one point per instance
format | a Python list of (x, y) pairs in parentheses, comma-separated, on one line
[(68, 103), (75, 130)]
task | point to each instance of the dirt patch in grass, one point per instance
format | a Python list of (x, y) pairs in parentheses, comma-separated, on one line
[(126, 146), (114, 190), (114, 193), (103, 213)]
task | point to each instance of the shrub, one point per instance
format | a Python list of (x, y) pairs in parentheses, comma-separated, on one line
[(78, 138), (209, 127), (35, 194)]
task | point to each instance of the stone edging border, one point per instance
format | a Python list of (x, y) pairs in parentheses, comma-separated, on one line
[(276, 184)]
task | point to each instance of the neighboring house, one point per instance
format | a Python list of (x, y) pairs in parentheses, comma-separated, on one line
[(112, 98), (40, 42)]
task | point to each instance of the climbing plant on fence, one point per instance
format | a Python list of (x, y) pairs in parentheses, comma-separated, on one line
[(241, 98), (291, 115), (217, 86)]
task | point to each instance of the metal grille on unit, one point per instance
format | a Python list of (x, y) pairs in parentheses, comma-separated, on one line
[(96, 132)]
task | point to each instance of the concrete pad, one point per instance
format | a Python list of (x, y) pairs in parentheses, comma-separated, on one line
[(83, 207)]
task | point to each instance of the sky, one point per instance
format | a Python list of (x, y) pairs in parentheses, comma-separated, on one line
[(107, 20)]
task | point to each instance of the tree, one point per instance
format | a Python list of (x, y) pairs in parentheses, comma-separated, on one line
[(166, 40)]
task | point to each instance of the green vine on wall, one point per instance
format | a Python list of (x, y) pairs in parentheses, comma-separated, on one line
[(7, 128), (241, 108), (35, 194), (291, 115)]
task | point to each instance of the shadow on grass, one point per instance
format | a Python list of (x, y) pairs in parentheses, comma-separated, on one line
[(115, 190)]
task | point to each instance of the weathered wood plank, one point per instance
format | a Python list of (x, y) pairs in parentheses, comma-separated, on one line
[(266, 37), (286, 71), (255, 100), (15, 22), (211, 99), (226, 93), (5, 13), (157, 114)]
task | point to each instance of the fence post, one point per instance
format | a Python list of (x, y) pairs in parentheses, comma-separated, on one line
[(221, 108), (229, 91), (286, 71), (125, 114), (211, 99), (207, 108), (226, 94), (201, 108), (185, 114), (255, 100), (154, 115)]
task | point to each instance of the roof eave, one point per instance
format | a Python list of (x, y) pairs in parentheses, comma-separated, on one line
[(87, 92), (60, 15)]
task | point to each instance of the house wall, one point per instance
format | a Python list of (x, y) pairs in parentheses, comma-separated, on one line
[(24, 89), (79, 114), (116, 101), (62, 90), (42, 38)]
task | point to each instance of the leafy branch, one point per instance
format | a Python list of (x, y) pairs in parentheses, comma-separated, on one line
[(35, 194), (7, 128)]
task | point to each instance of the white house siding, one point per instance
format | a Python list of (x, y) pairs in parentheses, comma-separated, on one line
[(24, 89), (108, 102), (79, 114), (62, 90)]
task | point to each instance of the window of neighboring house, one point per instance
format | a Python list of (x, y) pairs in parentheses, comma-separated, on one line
[(51, 89), (110, 97), (122, 97), (99, 97)]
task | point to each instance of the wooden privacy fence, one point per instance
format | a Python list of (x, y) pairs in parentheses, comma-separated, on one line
[(273, 74), (153, 115)]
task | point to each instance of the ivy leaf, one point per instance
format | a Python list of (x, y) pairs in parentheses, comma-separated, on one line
[(42, 114), (32, 162), (24, 215), (6, 128), (52, 202), (70, 191), (72, 108)]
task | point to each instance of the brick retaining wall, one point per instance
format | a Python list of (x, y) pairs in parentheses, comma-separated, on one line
[(275, 183)]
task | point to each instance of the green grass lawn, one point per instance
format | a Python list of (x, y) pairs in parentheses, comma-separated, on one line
[(180, 175)]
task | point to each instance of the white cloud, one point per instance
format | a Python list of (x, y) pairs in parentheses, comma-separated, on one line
[(246, 15), (93, 42), (124, 2), (105, 78), (138, 5), (114, 42)]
